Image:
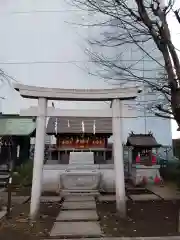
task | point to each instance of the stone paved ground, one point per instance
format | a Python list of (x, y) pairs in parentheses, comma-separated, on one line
[(78, 215), (79, 205), (15, 199), (84, 224), (75, 229), (74, 220), (166, 192), (144, 197), (3, 193)]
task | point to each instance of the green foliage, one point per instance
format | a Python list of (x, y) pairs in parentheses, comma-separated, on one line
[(22, 175), (172, 171)]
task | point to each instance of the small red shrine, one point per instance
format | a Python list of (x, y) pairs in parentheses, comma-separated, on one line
[(144, 167)]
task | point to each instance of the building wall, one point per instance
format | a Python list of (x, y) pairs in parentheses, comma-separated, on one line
[(43, 44)]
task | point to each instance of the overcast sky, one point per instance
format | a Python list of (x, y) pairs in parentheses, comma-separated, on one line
[(40, 45)]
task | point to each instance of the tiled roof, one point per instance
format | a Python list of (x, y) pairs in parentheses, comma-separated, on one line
[(16, 126), (77, 124), (142, 140)]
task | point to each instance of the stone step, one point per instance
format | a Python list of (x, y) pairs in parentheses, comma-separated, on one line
[(78, 205), (50, 198), (136, 188), (77, 215), (76, 229), (108, 198), (78, 162), (71, 198), (80, 192)]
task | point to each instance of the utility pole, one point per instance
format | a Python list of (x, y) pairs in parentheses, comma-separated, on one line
[(1, 98)]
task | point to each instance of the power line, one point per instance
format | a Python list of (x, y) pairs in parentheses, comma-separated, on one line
[(41, 11), (63, 62)]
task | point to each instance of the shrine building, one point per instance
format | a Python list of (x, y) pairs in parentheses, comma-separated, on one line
[(77, 134)]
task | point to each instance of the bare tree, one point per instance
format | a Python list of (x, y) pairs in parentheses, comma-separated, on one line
[(142, 24), (177, 15)]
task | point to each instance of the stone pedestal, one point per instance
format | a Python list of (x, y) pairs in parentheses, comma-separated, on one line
[(80, 180), (81, 158), (141, 174)]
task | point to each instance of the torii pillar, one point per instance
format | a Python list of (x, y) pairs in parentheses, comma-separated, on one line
[(38, 157), (116, 96), (118, 157)]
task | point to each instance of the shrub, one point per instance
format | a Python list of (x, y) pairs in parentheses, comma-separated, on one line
[(172, 171), (22, 175)]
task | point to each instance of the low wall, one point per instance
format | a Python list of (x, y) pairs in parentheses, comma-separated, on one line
[(51, 175)]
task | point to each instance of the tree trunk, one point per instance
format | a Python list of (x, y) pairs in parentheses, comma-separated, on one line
[(175, 103)]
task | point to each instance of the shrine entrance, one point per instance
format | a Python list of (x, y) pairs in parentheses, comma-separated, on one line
[(115, 96)]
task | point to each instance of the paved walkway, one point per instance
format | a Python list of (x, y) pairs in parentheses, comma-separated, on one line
[(165, 192), (15, 199), (77, 218)]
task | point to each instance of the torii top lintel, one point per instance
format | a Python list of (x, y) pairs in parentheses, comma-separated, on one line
[(77, 94)]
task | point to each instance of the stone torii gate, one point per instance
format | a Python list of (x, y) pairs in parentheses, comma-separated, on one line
[(116, 96)]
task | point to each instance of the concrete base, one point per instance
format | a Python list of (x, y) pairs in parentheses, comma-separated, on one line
[(78, 205), (80, 180), (77, 215), (52, 174), (141, 173), (81, 229)]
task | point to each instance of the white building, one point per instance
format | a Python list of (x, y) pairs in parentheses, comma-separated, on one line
[(41, 45)]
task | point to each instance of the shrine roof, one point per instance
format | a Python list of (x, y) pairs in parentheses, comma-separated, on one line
[(14, 125), (142, 140), (78, 125)]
